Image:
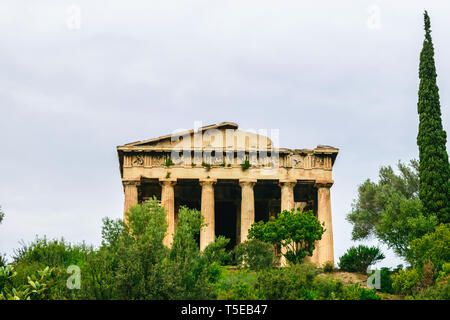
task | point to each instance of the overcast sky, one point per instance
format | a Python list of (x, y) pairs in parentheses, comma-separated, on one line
[(339, 73)]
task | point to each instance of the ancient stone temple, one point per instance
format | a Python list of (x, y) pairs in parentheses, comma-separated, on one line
[(234, 177)]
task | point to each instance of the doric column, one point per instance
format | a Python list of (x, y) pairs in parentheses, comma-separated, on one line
[(287, 194), (207, 233), (325, 252), (247, 206), (130, 188), (168, 201), (287, 203)]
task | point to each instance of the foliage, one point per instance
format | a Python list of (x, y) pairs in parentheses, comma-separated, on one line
[(169, 162), (206, 165), (440, 291), (358, 259), (2, 257), (37, 287), (290, 283), (302, 282), (328, 267), (239, 291), (434, 247), (406, 281), (295, 231), (245, 165), (434, 168), (137, 264), (254, 254), (51, 253), (386, 281), (216, 251), (390, 209), (427, 276), (2, 260)]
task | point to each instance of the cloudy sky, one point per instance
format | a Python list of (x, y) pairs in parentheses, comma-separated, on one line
[(79, 78)]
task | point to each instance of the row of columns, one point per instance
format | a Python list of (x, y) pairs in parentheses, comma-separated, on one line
[(324, 248)]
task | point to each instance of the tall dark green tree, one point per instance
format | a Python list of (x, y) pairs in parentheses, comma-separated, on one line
[(434, 168)]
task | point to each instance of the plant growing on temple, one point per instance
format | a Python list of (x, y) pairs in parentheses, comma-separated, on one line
[(169, 162), (434, 167), (245, 165), (358, 259), (296, 231), (207, 166)]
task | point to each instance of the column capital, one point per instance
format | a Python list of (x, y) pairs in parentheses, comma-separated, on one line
[(287, 182), (247, 182), (131, 182), (323, 183), (207, 182), (168, 181)]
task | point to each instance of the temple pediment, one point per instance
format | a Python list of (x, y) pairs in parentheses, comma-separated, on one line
[(222, 147), (225, 136)]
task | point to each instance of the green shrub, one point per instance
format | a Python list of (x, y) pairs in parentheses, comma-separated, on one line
[(302, 282), (356, 292), (51, 253), (434, 246), (254, 254), (406, 281), (291, 283), (239, 291), (358, 259), (386, 281), (440, 291), (216, 251), (295, 231), (328, 267), (37, 287)]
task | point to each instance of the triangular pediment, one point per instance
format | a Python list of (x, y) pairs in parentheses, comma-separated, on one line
[(224, 135)]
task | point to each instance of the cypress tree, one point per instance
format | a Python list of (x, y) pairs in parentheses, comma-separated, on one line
[(434, 168)]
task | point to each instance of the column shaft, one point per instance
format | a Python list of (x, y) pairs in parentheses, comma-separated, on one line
[(287, 194), (131, 197), (247, 207), (287, 203), (324, 247), (207, 233), (168, 201)]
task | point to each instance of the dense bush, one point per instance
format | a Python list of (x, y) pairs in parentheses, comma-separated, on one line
[(386, 281), (296, 231), (358, 259), (434, 246), (328, 267), (302, 282), (37, 287), (254, 254), (216, 251), (406, 281)]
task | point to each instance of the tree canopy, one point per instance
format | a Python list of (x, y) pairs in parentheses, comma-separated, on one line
[(296, 231), (434, 168)]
